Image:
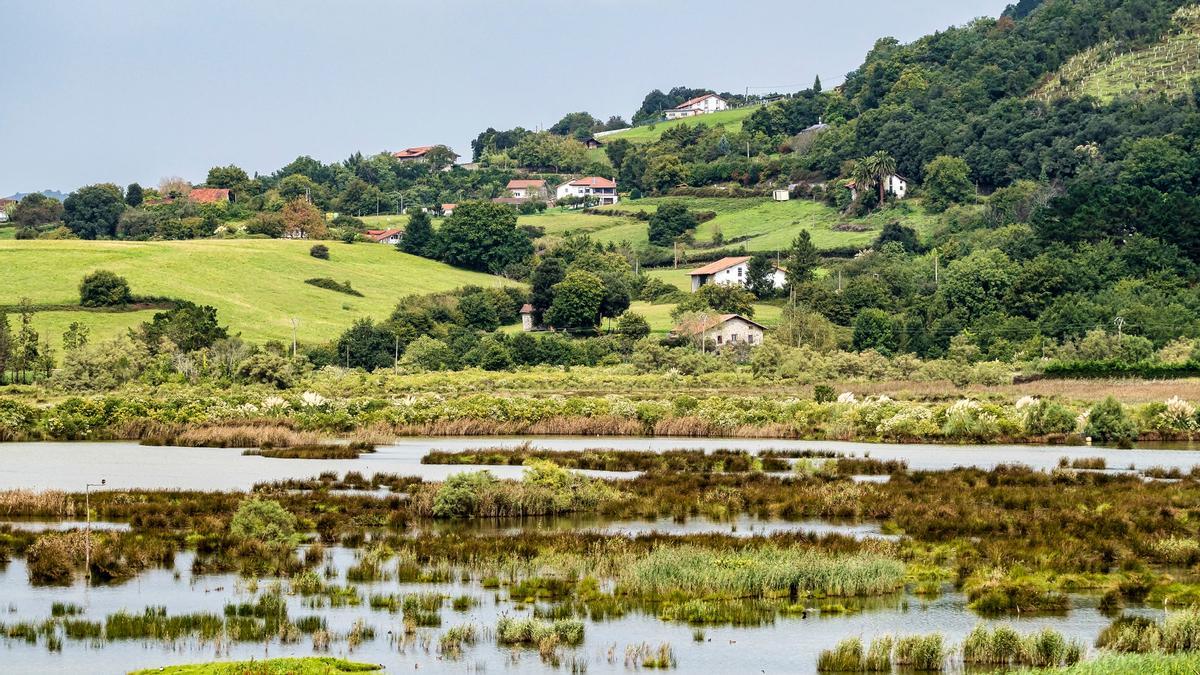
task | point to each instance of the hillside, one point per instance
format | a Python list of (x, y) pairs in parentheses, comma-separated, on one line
[(648, 133), (1109, 70), (256, 285)]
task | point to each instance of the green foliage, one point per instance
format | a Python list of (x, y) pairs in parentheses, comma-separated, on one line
[(319, 251), (633, 326), (483, 236), (429, 353), (188, 327), (264, 520), (1107, 422), (669, 222), (802, 260), (874, 329), (92, 212), (721, 298), (332, 285), (103, 288), (418, 236), (947, 182), (577, 301)]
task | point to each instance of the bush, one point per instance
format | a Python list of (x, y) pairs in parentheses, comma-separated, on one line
[(331, 285), (104, 289), (319, 251), (823, 393), (458, 497), (1107, 422), (264, 520), (633, 326)]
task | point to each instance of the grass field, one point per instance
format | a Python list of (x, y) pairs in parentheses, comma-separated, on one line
[(256, 285), (1106, 71), (648, 133), (659, 316), (760, 224), (316, 665)]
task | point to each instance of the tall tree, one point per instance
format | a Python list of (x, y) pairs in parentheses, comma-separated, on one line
[(6, 346), (883, 167), (134, 195), (760, 276), (577, 301), (92, 212), (418, 235), (802, 260), (483, 236)]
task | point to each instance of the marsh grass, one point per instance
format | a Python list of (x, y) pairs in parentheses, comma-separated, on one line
[(273, 434), (317, 451), (614, 460), (1178, 632), (1003, 646)]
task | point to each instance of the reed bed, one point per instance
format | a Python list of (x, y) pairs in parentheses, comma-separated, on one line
[(30, 503), (1003, 646), (766, 571), (613, 460), (1089, 463), (1179, 632), (317, 451), (241, 435)]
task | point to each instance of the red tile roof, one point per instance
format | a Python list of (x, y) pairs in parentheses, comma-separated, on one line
[(380, 235), (527, 308), (719, 266), (691, 102), (209, 195), (449, 207), (594, 182), (522, 184), (413, 153)]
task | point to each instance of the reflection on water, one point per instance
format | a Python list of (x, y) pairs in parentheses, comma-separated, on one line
[(740, 526), (67, 466), (61, 525), (790, 643)]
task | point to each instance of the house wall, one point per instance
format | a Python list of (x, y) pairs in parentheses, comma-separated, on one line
[(733, 332), (736, 275), (603, 195)]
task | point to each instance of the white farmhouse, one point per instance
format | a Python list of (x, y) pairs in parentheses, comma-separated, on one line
[(701, 105), (525, 189), (722, 330), (895, 185), (730, 272), (603, 190)]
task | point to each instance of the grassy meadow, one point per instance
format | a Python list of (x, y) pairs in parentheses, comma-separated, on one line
[(648, 133), (255, 284)]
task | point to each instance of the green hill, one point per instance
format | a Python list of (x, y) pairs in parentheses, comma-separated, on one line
[(1108, 70), (256, 285), (648, 133)]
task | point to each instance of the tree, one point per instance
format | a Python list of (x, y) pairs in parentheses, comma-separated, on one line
[(633, 326), (366, 345), (319, 251), (817, 85), (721, 298), (104, 289), (428, 353), (483, 236), (576, 124), (548, 272), (670, 221), (900, 234), (882, 166), (36, 209), (439, 157), (760, 276), (188, 327), (6, 346), (663, 173), (359, 198), (230, 177), (174, 187), (873, 329), (802, 260), (302, 220), (299, 186), (92, 212), (947, 182), (263, 520), (479, 311), (577, 301), (134, 195), (418, 235)]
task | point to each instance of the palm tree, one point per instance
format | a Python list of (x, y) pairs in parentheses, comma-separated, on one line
[(863, 176), (882, 166)]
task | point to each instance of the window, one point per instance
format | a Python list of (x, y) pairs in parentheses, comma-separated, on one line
[(733, 338), (750, 339), (739, 273), (719, 338)]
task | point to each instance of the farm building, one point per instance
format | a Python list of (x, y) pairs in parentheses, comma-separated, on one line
[(392, 236), (895, 185), (723, 330), (603, 190), (731, 271), (520, 188), (701, 105)]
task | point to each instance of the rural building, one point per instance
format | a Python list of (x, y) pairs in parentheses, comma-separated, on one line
[(527, 189), (210, 196), (723, 330), (603, 190), (781, 195), (417, 153), (527, 317), (593, 143), (731, 271), (448, 209), (392, 236), (701, 105), (895, 185)]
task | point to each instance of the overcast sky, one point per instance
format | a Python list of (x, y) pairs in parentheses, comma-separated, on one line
[(134, 90)]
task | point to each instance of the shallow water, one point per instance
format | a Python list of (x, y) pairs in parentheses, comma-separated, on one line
[(790, 645), (67, 466)]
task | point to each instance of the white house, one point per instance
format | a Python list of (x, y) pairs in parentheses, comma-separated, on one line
[(603, 190), (732, 271), (701, 105), (527, 189), (781, 195), (895, 185), (390, 236), (723, 330)]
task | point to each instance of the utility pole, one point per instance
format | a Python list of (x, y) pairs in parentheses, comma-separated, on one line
[(294, 323), (396, 361), (935, 268), (87, 507)]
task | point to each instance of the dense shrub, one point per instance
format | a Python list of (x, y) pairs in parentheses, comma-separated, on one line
[(104, 289), (319, 251)]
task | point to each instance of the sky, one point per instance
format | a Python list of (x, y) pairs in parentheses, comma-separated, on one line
[(137, 90)]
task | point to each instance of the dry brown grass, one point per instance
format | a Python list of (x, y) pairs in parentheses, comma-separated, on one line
[(240, 435), (1128, 391), (52, 503)]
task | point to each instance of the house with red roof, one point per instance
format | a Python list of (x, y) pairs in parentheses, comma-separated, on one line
[(525, 189), (732, 271), (701, 105), (390, 236), (419, 154), (593, 188), (210, 196)]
